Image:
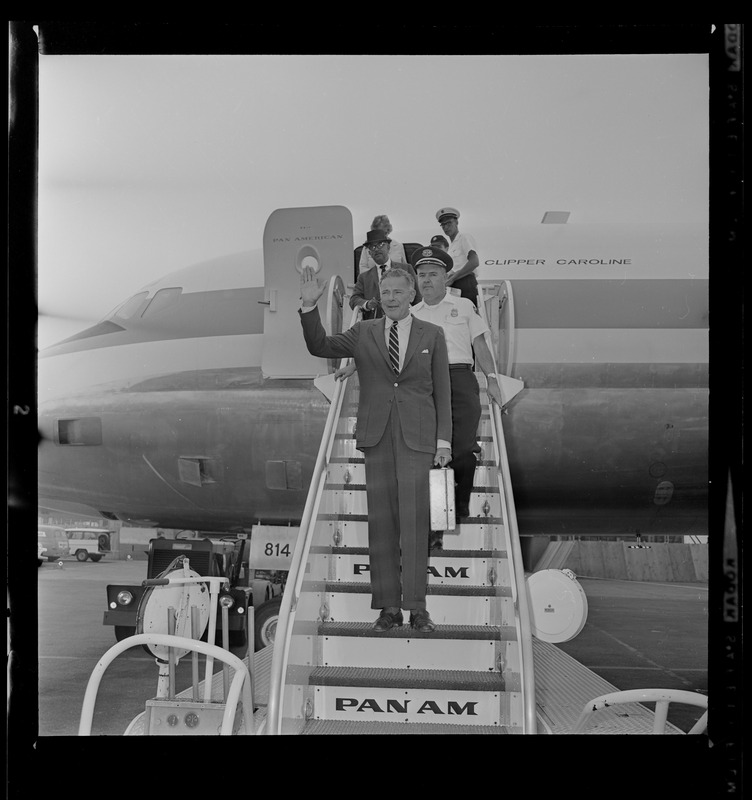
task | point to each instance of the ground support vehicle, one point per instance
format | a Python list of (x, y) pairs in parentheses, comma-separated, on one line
[(226, 558), (53, 539), (88, 543)]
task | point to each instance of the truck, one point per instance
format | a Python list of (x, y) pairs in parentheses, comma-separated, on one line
[(88, 543), (226, 557)]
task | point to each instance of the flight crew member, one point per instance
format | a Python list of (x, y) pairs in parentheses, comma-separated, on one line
[(463, 253), (464, 330), (404, 427), (366, 291), (439, 241)]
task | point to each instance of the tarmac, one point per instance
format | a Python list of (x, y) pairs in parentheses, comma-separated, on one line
[(637, 635)]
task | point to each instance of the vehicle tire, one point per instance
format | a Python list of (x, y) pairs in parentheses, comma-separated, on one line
[(265, 622), (95, 558), (81, 555), (123, 632)]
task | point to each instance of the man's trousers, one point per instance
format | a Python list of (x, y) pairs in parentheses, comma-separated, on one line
[(398, 519), (465, 420)]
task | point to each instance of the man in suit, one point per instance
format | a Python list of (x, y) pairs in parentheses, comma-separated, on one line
[(366, 291), (404, 427)]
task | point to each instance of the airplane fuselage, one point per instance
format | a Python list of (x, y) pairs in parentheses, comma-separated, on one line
[(161, 414)]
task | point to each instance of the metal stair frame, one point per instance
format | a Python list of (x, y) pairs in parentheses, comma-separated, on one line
[(296, 643), (304, 604)]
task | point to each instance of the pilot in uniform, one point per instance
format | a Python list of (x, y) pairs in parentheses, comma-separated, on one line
[(464, 330), (463, 252)]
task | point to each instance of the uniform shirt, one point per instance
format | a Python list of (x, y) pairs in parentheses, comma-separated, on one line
[(460, 321), (459, 248)]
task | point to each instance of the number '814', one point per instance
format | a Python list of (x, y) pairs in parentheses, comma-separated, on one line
[(275, 549)]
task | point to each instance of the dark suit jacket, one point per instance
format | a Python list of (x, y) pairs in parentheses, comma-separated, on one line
[(421, 392), (367, 286)]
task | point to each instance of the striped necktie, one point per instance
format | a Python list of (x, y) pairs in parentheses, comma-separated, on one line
[(394, 347)]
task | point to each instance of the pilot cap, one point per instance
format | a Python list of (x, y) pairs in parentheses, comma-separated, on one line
[(447, 213), (431, 255)]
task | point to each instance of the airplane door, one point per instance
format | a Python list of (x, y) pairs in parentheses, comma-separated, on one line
[(500, 315), (318, 236), (507, 329)]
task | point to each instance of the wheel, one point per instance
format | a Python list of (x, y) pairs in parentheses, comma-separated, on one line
[(95, 558), (123, 632), (265, 622), (81, 555)]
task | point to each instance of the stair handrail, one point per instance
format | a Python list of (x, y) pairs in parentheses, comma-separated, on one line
[(512, 535), (296, 573), (241, 681), (519, 583)]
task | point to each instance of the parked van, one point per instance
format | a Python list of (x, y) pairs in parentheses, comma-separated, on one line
[(93, 543), (54, 541)]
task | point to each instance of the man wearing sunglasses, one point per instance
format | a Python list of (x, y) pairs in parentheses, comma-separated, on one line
[(366, 292)]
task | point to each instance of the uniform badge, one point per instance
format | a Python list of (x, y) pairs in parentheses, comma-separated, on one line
[(455, 313), (427, 253)]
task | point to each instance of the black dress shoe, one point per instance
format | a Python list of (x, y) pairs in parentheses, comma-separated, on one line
[(388, 620), (421, 621)]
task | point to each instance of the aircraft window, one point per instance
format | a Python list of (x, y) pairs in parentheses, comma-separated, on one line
[(89, 535), (82, 431), (131, 306), (162, 299)]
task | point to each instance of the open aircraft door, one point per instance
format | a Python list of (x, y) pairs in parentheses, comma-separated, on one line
[(321, 237), (500, 316)]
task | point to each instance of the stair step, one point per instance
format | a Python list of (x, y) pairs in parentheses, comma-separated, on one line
[(450, 647), (445, 567), (438, 589), (351, 499), (387, 678), (454, 632), (351, 530), (456, 697), (318, 727), (353, 474), (445, 553), (446, 605)]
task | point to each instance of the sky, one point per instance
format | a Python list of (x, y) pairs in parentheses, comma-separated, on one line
[(150, 163)]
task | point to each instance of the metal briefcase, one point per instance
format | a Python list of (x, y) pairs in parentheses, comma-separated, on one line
[(441, 493)]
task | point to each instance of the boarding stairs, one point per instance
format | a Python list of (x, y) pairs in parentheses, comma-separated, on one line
[(333, 674)]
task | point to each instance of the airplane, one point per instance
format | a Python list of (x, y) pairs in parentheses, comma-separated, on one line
[(193, 404)]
